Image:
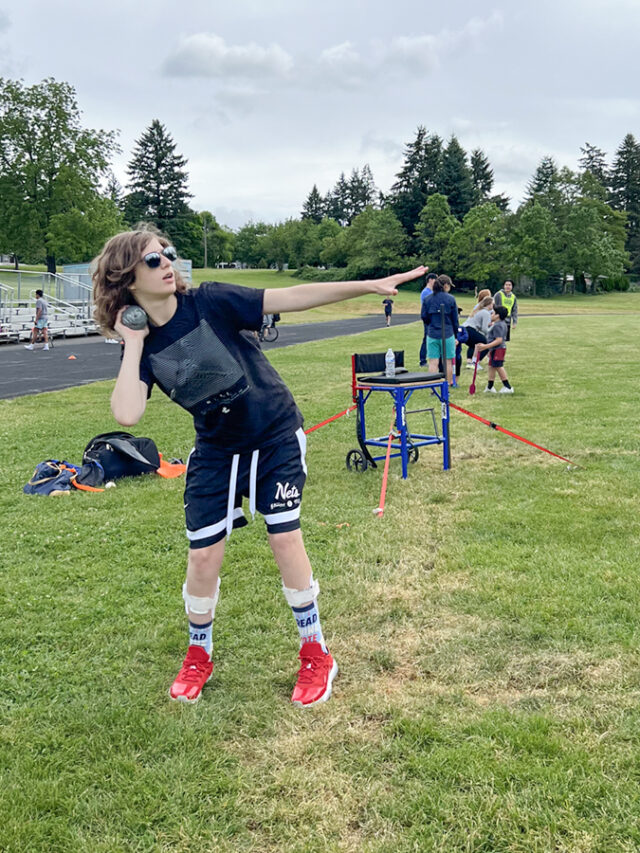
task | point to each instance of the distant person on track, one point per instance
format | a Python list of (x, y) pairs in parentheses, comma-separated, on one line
[(40, 323), (388, 310), (250, 443)]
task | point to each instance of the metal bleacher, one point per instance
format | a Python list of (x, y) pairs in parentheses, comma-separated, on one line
[(69, 301)]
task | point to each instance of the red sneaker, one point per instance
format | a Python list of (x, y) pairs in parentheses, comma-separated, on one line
[(315, 676), (196, 671)]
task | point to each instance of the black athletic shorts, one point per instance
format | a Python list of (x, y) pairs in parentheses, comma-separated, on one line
[(272, 478)]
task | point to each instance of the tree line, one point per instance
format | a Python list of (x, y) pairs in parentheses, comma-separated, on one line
[(59, 202), (59, 199)]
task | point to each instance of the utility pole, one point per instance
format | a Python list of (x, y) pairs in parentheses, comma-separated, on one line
[(204, 235)]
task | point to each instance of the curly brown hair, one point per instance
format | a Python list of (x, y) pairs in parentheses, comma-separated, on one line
[(114, 273)]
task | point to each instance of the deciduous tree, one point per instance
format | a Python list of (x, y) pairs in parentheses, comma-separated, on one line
[(50, 169)]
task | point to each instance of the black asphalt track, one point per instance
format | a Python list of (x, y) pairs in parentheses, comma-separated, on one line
[(25, 372)]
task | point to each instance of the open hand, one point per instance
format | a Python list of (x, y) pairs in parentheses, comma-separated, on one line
[(389, 286)]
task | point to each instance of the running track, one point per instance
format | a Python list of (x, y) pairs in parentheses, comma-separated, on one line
[(25, 372)]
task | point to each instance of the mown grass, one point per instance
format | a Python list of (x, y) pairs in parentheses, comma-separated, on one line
[(486, 629)]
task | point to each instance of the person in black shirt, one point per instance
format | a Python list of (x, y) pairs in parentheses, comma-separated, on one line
[(199, 350)]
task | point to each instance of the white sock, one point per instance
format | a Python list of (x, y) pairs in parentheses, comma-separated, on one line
[(308, 622), (201, 635)]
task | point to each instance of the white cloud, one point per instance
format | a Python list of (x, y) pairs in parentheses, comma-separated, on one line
[(340, 65), (5, 22), (340, 55), (344, 65), (208, 55), (415, 52)]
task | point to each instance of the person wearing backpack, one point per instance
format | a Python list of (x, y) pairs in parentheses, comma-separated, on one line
[(199, 350)]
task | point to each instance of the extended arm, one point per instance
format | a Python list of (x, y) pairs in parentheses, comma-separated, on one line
[(129, 397), (300, 297)]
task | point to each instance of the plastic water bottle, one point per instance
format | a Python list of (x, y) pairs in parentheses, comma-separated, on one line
[(390, 363)]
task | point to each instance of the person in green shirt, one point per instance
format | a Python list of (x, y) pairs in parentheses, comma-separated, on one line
[(507, 297)]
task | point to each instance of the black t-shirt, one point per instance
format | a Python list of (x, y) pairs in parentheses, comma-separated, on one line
[(263, 408)]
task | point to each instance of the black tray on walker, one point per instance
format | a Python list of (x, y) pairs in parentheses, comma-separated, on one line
[(401, 386), (402, 377)]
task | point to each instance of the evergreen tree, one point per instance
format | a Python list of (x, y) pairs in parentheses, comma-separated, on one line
[(455, 179), (543, 182), (593, 160), (625, 193), (113, 189), (158, 181), (417, 180), (370, 192), (501, 201), (363, 192), (337, 204), (481, 177), (314, 206)]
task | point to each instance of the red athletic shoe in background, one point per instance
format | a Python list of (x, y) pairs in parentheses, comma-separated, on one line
[(196, 671), (315, 676)]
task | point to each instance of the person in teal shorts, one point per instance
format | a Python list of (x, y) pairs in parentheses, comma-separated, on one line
[(432, 318)]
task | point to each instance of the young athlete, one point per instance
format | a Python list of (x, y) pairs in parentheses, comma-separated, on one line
[(199, 350), (496, 346)]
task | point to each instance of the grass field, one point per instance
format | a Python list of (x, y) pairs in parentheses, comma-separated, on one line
[(408, 302), (486, 628)]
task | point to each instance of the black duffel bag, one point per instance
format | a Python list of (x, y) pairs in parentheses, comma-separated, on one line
[(120, 454)]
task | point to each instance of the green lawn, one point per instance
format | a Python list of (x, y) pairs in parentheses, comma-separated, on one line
[(486, 628), (408, 302)]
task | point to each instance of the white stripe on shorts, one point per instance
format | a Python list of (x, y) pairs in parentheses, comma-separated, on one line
[(253, 474), (282, 517), (302, 441), (213, 529), (233, 479)]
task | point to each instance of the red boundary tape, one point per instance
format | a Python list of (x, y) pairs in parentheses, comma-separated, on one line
[(328, 420), (385, 475), (508, 432)]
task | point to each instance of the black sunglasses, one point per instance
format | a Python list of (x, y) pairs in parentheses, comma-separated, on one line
[(153, 259)]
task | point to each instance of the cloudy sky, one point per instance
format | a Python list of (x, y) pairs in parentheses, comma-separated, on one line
[(268, 97)]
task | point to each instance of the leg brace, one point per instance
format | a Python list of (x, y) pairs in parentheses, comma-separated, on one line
[(298, 597), (198, 604)]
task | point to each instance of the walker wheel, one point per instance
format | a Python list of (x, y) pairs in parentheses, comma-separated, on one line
[(414, 454), (356, 461)]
